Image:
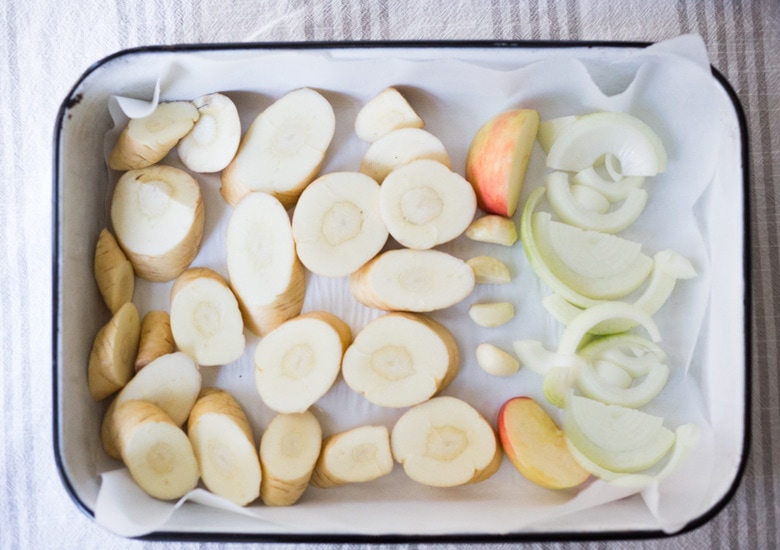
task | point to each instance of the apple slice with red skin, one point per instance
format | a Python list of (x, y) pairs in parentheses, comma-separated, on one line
[(536, 446), (498, 158)]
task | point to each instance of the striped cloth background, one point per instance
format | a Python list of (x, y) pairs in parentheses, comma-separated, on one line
[(46, 46)]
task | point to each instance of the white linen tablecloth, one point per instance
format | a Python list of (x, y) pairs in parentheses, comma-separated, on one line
[(48, 44)]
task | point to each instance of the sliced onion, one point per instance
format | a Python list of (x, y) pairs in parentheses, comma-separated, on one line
[(579, 145), (567, 208), (539, 359), (634, 353), (590, 199), (619, 439), (558, 383), (582, 324), (668, 267), (535, 257), (613, 374), (596, 265), (549, 130), (615, 191), (593, 386)]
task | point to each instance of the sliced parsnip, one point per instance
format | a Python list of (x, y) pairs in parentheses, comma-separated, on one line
[(283, 149), (425, 204), (224, 446), (158, 216), (212, 143), (337, 224), (493, 360), (265, 273), (385, 112), (146, 141), (412, 280), (492, 314), (489, 270), (172, 382), (156, 338), (113, 272), (354, 456), (400, 147), (205, 318), (298, 362), (113, 353), (493, 228), (401, 359), (445, 442), (289, 450), (155, 450)]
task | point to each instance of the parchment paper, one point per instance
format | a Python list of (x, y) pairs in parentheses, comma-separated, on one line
[(668, 85)]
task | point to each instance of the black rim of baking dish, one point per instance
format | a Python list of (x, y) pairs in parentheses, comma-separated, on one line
[(73, 99)]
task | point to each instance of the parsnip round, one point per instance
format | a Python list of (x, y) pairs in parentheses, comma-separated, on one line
[(213, 141), (172, 382), (289, 450), (412, 280), (146, 141), (445, 442), (354, 456), (425, 204), (155, 450), (337, 224), (224, 446), (298, 362), (265, 273), (283, 149), (158, 216), (205, 318), (401, 359)]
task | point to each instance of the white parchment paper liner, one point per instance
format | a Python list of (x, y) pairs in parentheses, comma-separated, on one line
[(668, 85)]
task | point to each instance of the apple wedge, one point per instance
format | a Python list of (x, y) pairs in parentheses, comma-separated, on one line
[(498, 157), (536, 446)]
